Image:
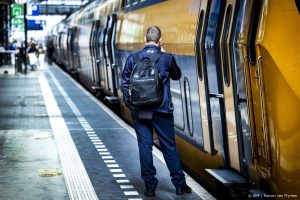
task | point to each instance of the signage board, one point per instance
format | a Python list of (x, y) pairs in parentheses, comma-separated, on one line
[(36, 25), (33, 10), (17, 10)]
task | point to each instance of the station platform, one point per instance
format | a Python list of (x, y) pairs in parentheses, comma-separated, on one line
[(57, 141)]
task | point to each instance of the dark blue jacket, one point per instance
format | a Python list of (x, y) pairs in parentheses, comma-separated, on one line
[(167, 67)]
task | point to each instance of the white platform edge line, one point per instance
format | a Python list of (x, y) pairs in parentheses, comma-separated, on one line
[(196, 187), (82, 188)]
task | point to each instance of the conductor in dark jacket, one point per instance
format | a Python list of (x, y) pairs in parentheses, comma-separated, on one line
[(159, 117)]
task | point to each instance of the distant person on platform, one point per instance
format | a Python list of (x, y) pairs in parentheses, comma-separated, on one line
[(12, 48), (33, 55), (41, 55)]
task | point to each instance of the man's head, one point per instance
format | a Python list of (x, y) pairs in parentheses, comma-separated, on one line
[(153, 34)]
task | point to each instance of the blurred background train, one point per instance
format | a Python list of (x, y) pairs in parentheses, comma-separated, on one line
[(237, 104)]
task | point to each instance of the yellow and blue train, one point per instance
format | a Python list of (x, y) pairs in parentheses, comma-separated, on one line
[(237, 105)]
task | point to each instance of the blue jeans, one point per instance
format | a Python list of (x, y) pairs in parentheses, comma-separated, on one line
[(163, 123)]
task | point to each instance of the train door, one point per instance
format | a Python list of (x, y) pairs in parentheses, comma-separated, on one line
[(72, 49), (205, 109), (261, 139), (210, 85), (75, 50), (218, 88), (231, 99), (69, 48), (91, 45), (94, 51), (241, 84), (110, 52), (103, 55), (97, 52), (59, 52), (217, 82)]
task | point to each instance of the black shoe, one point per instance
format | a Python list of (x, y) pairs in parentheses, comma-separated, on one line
[(149, 192), (183, 190)]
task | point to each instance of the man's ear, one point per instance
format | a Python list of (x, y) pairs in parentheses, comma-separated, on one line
[(159, 41), (145, 39)]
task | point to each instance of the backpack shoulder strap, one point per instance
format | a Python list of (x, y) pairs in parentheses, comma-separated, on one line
[(156, 57), (136, 58)]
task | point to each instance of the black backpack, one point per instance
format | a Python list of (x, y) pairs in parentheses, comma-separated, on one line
[(145, 85)]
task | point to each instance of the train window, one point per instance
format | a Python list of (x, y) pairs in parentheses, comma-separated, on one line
[(177, 103), (197, 45), (127, 3), (188, 106), (134, 2), (91, 16), (225, 50)]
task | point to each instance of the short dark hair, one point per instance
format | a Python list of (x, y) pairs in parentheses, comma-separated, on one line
[(153, 34)]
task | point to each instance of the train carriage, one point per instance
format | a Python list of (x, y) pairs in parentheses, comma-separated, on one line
[(237, 105)]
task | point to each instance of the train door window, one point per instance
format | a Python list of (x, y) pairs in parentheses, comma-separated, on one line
[(215, 97), (177, 103), (255, 16), (225, 53), (188, 106), (197, 45)]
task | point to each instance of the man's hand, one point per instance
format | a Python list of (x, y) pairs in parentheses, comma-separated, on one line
[(161, 48)]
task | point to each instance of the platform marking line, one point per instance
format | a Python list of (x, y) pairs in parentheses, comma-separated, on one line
[(115, 170), (90, 132), (131, 193), (135, 199), (107, 157), (123, 181), (119, 175), (100, 146), (126, 186), (79, 186), (85, 123), (104, 153), (102, 150), (96, 140), (98, 143), (92, 135), (86, 126), (109, 161), (112, 165)]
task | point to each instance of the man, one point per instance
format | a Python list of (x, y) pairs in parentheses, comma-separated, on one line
[(158, 116)]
